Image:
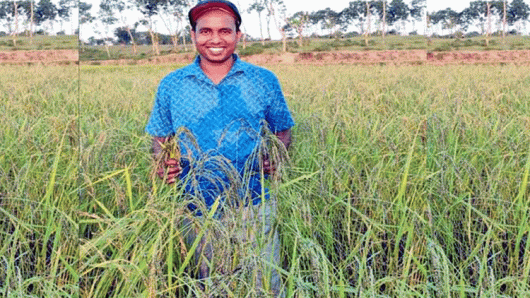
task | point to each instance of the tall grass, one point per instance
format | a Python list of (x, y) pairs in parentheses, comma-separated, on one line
[(38, 182), (407, 181), (404, 181)]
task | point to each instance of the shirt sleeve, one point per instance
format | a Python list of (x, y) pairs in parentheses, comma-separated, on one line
[(277, 115), (160, 123)]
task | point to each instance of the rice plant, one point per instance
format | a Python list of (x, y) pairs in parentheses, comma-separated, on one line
[(402, 181)]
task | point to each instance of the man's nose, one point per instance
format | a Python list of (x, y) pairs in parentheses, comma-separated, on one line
[(215, 37)]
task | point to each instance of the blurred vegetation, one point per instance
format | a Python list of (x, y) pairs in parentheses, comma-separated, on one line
[(39, 42), (356, 43)]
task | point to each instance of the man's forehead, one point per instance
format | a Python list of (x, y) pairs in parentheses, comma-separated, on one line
[(217, 12)]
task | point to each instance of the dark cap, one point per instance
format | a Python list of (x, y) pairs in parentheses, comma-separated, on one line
[(204, 6)]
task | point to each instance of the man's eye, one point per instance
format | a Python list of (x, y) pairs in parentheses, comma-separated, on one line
[(226, 31)]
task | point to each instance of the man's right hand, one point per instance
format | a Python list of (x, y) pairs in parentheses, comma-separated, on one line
[(169, 169)]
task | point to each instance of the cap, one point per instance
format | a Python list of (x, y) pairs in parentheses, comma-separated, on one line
[(204, 6)]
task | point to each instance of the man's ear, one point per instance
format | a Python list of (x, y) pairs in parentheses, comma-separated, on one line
[(238, 35)]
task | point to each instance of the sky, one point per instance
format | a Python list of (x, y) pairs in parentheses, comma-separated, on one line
[(251, 25)]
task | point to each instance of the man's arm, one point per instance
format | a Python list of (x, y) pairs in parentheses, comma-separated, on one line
[(165, 164)]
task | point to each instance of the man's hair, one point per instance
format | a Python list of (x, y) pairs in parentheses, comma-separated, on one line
[(208, 5)]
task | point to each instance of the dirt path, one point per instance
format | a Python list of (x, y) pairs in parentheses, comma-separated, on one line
[(43, 57), (319, 58)]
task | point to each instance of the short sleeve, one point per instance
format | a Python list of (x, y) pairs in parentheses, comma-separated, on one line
[(160, 124), (277, 115)]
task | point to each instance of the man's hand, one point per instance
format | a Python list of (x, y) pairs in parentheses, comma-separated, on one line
[(268, 166), (170, 169), (166, 167)]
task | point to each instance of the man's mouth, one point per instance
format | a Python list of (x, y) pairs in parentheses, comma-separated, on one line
[(216, 50)]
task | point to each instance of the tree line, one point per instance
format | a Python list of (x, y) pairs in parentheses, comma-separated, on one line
[(113, 22)]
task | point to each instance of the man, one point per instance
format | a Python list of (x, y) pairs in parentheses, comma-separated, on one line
[(226, 104)]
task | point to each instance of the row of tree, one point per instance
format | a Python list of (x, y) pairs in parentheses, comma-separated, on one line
[(32, 15), (367, 15), (397, 14)]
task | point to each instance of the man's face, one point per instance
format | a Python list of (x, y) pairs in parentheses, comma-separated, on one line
[(215, 36)]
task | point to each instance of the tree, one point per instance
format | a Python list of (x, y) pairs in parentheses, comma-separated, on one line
[(106, 16), (380, 8), (64, 12), (125, 35), (9, 11), (277, 8), (448, 18), (417, 8), (398, 11), (268, 16), (351, 13), (476, 12), (174, 10), (299, 21), (518, 12), (121, 8), (149, 9), (46, 11), (327, 18), (258, 6), (360, 11), (84, 13), (28, 8)]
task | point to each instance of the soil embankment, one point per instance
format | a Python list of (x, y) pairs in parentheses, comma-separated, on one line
[(338, 57), (43, 57)]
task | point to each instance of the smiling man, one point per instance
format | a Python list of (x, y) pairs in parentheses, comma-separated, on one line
[(226, 104)]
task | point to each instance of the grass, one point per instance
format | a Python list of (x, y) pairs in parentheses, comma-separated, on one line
[(38, 182), (407, 181), (39, 42)]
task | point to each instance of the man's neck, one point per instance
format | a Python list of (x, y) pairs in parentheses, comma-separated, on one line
[(216, 71)]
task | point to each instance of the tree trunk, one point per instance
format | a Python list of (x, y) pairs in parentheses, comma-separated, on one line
[(282, 31), (284, 40), (488, 33), (184, 40), (300, 37), (428, 29), (107, 49), (368, 20), (32, 22), (154, 41), (132, 39), (175, 42), (269, 27), (261, 29), (384, 20), (16, 24), (504, 22)]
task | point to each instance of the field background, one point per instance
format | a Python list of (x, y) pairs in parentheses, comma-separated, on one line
[(311, 45), (403, 181)]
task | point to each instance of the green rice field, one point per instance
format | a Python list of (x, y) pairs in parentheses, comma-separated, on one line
[(402, 181)]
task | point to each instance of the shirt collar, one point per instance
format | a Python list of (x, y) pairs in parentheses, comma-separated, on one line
[(196, 70)]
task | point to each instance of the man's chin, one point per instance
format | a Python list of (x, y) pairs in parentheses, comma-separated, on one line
[(216, 60)]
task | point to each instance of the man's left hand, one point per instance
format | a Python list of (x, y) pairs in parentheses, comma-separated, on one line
[(268, 166)]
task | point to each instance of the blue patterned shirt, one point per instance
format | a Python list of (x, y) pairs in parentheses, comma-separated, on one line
[(225, 119)]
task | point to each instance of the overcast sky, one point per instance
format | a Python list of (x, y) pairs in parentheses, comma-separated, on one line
[(251, 24)]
